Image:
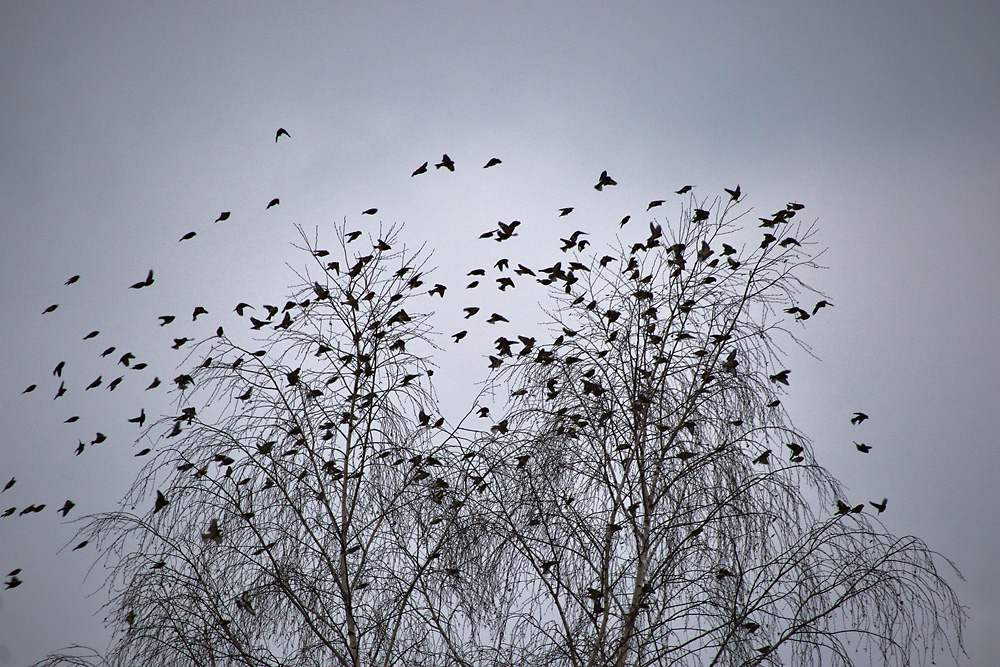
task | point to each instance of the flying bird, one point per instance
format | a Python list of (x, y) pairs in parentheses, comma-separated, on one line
[(57, 371), (165, 319), (781, 377), (214, 534), (140, 420), (96, 383), (604, 180), (178, 342), (684, 190), (71, 280), (369, 211), (880, 506), (460, 335), (862, 447), (655, 203), (734, 194), (189, 235), (30, 388), (281, 131), (565, 211), (223, 216), (446, 162), (198, 310), (494, 161), (81, 545), (422, 169), (67, 506), (161, 502), (858, 418), (12, 482), (821, 304), (50, 308), (143, 283), (154, 384)]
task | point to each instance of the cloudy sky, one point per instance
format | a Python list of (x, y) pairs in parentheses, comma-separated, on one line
[(124, 126)]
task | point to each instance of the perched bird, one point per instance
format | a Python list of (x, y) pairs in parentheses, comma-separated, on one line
[(446, 162), (493, 161), (72, 280), (862, 447), (604, 180), (565, 211), (684, 190), (189, 235), (143, 283), (422, 169), (655, 203), (880, 506), (369, 211), (67, 506), (281, 131), (223, 216), (858, 418), (50, 308), (273, 202)]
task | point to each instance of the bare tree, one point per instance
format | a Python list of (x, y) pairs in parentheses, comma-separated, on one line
[(643, 499)]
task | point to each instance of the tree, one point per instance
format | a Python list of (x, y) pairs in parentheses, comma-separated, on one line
[(642, 498)]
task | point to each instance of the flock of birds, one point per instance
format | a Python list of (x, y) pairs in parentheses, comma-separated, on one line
[(557, 273)]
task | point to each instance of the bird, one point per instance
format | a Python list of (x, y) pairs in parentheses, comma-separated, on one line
[(96, 383), (240, 307), (81, 545), (604, 180), (71, 280), (858, 418), (470, 311), (624, 221), (178, 342), (143, 283), (862, 447), (61, 390), (114, 383), (684, 190), (50, 308), (351, 236), (161, 502), (214, 534), (493, 161), (281, 131), (13, 582), (437, 289), (496, 317), (29, 389), (126, 358), (369, 211), (655, 203), (57, 371), (140, 420), (460, 335), (12, 482), (880, 506), (189, 235), (223, 216), (446, 162), (699, 215), (781, 377), (67, 506), (273, 202), (198, 310), (821, 304), (165, 319), (734, 194), (565, 211), (154, 384), (422, 169)]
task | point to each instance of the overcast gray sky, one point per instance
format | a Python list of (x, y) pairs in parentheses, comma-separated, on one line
[(125, 125)]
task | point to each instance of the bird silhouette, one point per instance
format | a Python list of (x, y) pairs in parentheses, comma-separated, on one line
[(50, 308), (862, 447), (281, 131), (460, 335), (178, 342), (273, 202), (369, 211), (446, 162), (781, 377), (880, 506), (188, 236), (858, 418), (154, 384), (199, 310), (67, 506), (496, 317), (81, 545), (214, 534), (684, 190), (655, 203), (61, 391), (30, 388), (12, 482), (422, 169), (821, 304), (71, 280), (161, 502), (565, 211), (604, 180), (95, 384), (733, 194), (143, 283), (140, 420), (493, 161), (223, 216), (57, 371)]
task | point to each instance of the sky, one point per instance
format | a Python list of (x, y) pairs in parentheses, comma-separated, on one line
[(124, 126)]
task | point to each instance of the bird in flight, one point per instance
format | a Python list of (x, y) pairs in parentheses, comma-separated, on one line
[(565, 211), (281, 131), (369, 211), (858, 418), (862, 447), (223, 216), (604, 180), (143, 283), (273, 202), (50, 308), (494, 161), (446, 162), (187, 237), (684, 190), (880, 506), (655, 203), (422, 169), (72, 280), (734, 194)]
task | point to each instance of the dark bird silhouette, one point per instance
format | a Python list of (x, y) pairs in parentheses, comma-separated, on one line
[(81, 545), (188, 236), (781, 377), (763, 458), (12, 482), (799, 313), (30, 388), (496, 317), (126, 358), (240, 307), (7, 512), (281, 131), (61, 390), (13, 582), (862, 447), (604, 180), (502, 264), (108, 351), (143, 283), (858, 418), (161, 502), (154, 384), (504, 283), (165, 319), (565, 211), (50, 308), (72, 280), (734, 194), (351, 236), (114, 383), (214, 534), (273, 202), (95, 384), (369, 211), (655, 203), (198, 310), (699, 215), (57, 371), (67, 506), (821, 304), (624, 221), (460, 335), (446, 162), (178, 342), (437, 289), (140, 420), (880, 506), (422, 169), (223, 216), (684, 190), (72, 420), (493, 161)]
